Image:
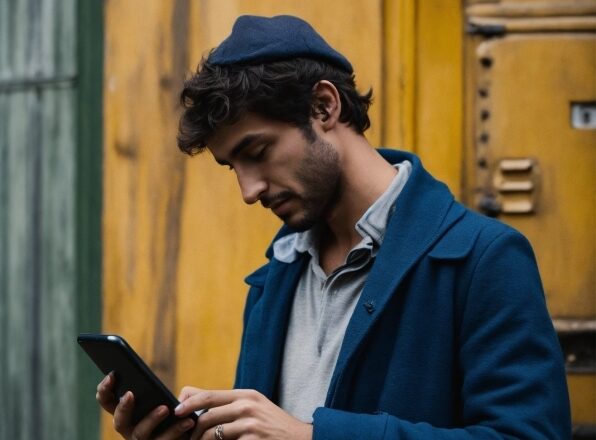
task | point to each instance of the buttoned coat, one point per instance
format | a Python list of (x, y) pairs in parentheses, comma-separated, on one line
[(450, 339)]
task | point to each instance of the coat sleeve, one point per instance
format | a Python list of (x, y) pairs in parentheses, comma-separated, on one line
[(513, 378)]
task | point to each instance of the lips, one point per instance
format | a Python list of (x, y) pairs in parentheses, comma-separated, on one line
[(271, 202), (280, 207), (278, 204)]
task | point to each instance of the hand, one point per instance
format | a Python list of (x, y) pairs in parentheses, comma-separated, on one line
[(243, 414), (122, 411)]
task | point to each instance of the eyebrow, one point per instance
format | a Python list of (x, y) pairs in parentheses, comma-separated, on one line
[(245, 142)]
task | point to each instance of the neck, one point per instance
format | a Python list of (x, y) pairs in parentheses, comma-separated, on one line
[(365, 177)]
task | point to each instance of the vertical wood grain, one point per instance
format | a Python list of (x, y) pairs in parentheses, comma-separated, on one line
[(423, 77), (439, 89), (37, 222), (144, 178), (57, 299), (18, 274), (399, 74)]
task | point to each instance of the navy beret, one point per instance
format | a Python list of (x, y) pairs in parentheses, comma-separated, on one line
[(262, 39)]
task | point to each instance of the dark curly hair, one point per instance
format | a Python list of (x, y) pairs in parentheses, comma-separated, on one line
[(219, 95)]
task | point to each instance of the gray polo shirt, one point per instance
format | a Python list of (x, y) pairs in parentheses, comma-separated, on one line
[(323, 305)]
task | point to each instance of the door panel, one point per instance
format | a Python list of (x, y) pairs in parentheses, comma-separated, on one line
[(537, 167), (531, 162)]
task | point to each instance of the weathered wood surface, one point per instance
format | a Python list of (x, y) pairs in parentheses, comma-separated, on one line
[(178, 240), (38, 379)]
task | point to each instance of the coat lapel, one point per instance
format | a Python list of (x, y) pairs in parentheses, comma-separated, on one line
[(267, 326), (423, 211)]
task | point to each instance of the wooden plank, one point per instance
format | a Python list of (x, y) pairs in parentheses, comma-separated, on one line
[(88, 195), (3, 253), (37, 260), (439, 89), (423, 77), (19, 269), (38, 267), (37, 276), (399, 77), (5, 52), (144, 179), (57, 294)]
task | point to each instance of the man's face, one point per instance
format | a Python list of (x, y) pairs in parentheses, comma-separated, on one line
[(297, 178)]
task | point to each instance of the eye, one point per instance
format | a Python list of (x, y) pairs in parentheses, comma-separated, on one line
[(259, 153)]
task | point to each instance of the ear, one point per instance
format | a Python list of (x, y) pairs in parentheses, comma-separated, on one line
[(326, 105)]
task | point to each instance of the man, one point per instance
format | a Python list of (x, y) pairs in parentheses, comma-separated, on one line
[(387, 310)]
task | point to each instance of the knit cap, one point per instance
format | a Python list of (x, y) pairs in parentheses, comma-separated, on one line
[(257, 39)]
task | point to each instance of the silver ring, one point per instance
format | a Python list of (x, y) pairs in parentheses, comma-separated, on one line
[(219, 432)]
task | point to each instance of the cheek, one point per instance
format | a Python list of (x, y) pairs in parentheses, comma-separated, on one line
[(285, 173)]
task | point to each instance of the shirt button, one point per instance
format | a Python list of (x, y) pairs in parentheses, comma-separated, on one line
[(369, 306)]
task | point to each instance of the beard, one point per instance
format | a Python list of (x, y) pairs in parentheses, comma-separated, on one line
[(319, 174)]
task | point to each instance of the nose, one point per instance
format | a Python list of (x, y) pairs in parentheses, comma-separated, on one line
[(251, 185)]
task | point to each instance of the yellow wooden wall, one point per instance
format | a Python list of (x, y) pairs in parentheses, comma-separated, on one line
[(177, 238)]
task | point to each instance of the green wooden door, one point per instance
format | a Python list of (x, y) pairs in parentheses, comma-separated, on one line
[(45, 269)]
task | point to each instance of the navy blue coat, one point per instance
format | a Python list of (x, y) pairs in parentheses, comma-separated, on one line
[(451, 338)]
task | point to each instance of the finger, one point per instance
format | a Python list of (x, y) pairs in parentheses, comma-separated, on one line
[(123, 414), (229, 431), (177, 430), (209, 399), (221, 414), (186, 392), (105, 394), (145, 428)]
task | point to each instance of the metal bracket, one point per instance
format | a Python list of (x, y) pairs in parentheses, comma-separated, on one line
[(578, 342), (583, 115), (486, 30)]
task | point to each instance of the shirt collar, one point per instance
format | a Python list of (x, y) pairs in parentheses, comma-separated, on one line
[(371, 226), (374, 221)]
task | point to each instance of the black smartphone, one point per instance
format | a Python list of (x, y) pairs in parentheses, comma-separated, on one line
[(112, 353)]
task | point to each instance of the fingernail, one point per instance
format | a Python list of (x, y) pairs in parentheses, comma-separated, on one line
[(179, 408), (162, 411), (125, 399)]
